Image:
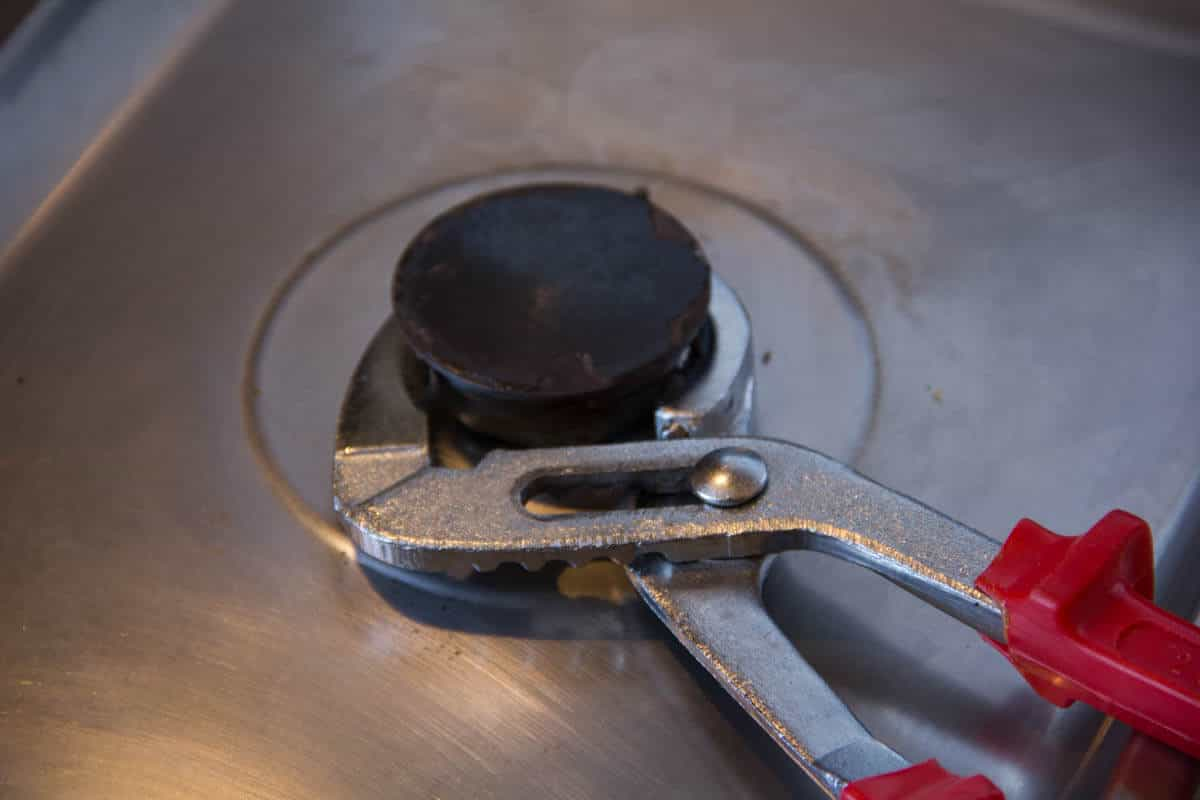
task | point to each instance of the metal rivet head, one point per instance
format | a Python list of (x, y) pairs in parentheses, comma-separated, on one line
[(729, 477)]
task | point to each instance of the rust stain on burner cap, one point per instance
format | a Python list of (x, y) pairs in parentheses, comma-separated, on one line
[(553, 291)]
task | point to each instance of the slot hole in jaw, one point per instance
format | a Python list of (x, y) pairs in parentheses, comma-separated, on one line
[(554, 496)]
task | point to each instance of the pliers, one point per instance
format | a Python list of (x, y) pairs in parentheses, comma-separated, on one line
[(1075, 615)]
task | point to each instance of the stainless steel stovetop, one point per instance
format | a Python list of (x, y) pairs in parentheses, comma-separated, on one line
[(965, 232)]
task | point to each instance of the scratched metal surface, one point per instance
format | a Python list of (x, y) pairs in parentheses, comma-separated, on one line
[(1010, 197)]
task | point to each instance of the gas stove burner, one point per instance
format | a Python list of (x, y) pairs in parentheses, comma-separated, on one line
[(555, 313), (645, 344)]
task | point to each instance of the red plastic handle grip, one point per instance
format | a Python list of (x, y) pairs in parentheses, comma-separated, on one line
[(1081, 625), (924, 781)]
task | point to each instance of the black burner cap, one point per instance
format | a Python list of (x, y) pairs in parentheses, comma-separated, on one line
[(552, 291)]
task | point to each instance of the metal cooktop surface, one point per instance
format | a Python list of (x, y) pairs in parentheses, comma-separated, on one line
[(966, 236)]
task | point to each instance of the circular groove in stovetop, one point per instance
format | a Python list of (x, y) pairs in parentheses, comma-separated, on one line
[(817, 369)]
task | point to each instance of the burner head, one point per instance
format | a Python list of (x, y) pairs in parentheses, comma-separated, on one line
[(553, 313)]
